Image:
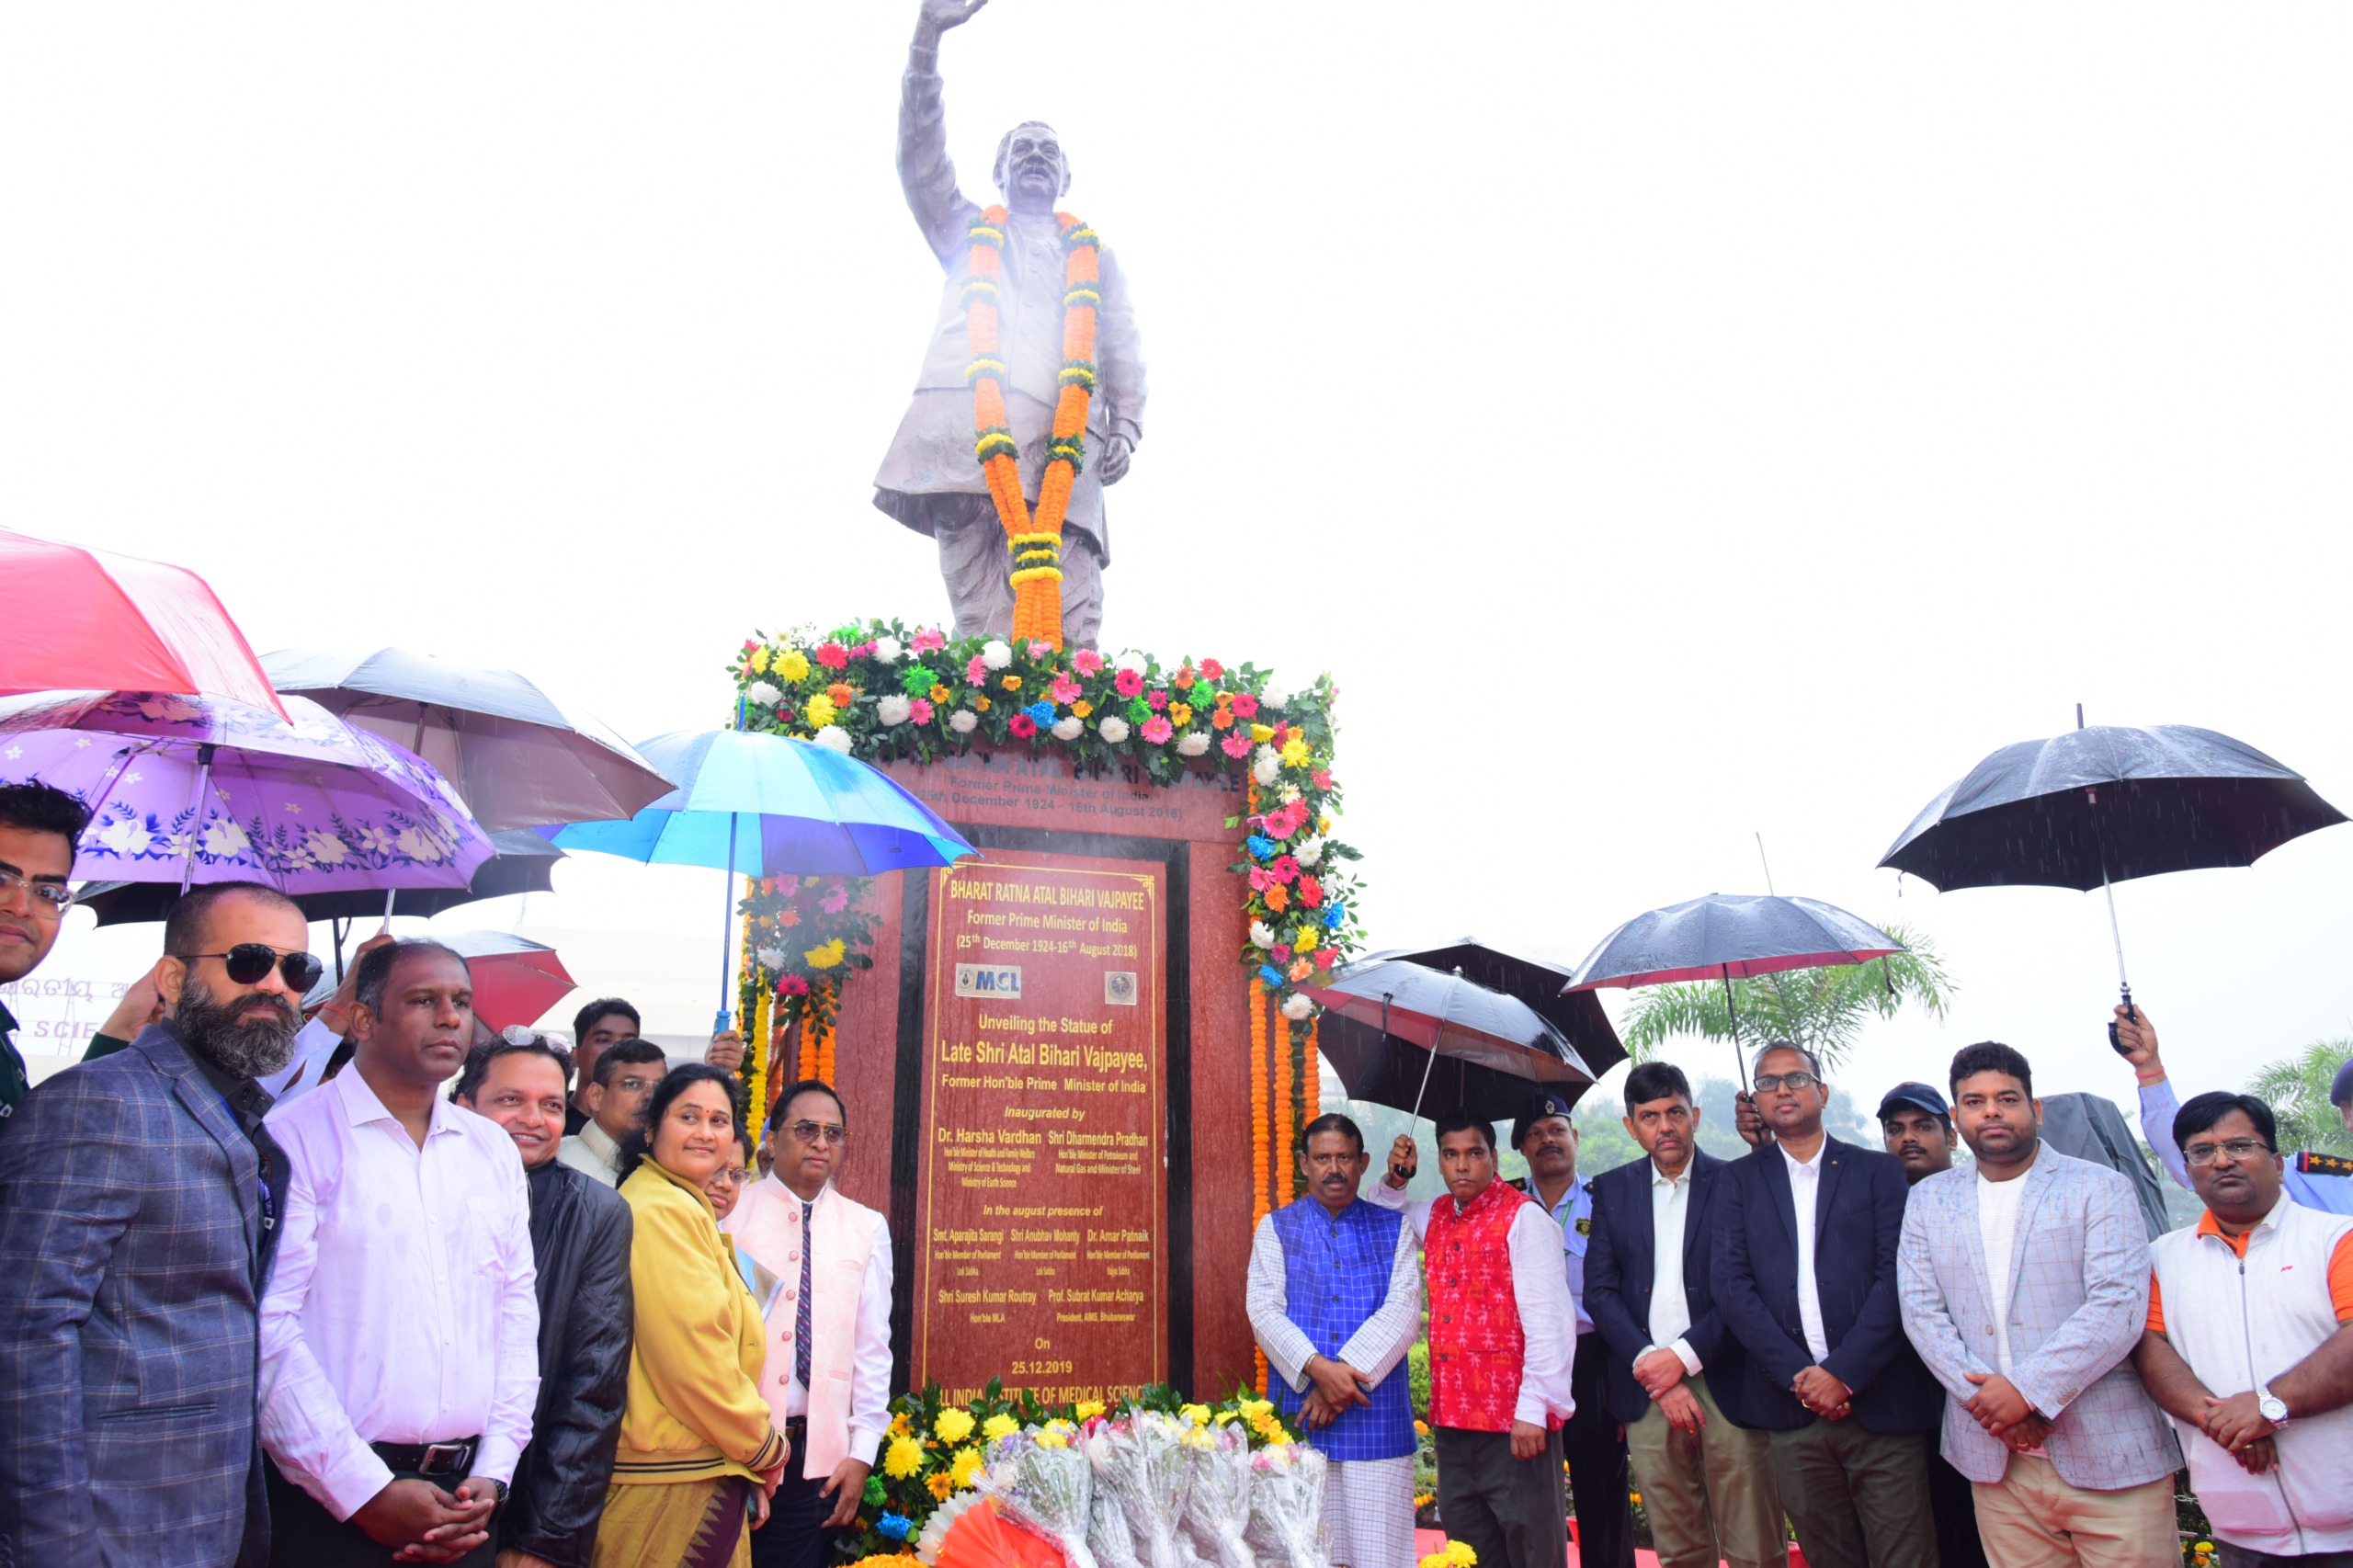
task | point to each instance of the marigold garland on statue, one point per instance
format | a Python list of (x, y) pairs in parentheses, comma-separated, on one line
[(1035, 540)]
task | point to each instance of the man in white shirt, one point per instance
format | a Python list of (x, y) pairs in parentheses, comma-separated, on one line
[(1502, 1334), (1707, 1482), (398, 1354), (626, 1072), (828, 1319), (2025, 1287)]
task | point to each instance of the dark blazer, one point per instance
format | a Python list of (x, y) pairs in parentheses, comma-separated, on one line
[(132, 1252), (580, 1234), (1619, 1265), (1858, 1222)]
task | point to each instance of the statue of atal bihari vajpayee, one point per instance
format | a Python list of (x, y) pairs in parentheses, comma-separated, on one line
[(931, 479)]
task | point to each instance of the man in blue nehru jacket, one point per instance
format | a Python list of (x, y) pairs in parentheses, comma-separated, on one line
[(1334, 1299)]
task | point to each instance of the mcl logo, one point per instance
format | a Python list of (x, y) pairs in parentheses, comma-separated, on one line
[(988, 980)]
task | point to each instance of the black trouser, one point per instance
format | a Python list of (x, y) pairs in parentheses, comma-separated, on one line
[(303, 1534), (1508, 1511), (1954, 1507), (794, 1536), (1597, 1456)]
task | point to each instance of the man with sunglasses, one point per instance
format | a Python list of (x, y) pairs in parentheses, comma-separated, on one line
[(1807, 1232), (38, 827), (2249, 1346), (140, 1197), (399, 1334), (828, 1376)]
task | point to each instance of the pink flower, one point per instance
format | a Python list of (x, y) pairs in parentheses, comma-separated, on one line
[(975, 672), (1065, 689), (1236, 744), (1042, 650), (863, 651), (920, 709), (836, 898), (1261, 879), (1128, 683), (1323, 778), (928, 639), (1022, 726), (1159, 700), (1244, 705), (1284, 868), (1158, 730), (793, 985), (748, 646), (833, 655), (1086, 662)]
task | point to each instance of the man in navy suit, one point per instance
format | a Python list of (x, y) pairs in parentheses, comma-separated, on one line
[(136, 1228), (1674, 1367), (1807, 1232)]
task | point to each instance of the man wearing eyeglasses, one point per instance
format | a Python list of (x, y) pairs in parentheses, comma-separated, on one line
[(2249, 1344), (1807, 1229), (828, 1376), (626, 1074), (140, 1197), (38, 827)]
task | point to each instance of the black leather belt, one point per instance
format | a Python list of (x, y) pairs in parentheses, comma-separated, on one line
[(429, 1458)]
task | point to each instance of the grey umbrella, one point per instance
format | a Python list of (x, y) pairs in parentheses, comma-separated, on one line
[(1387, 1023), (516, 756)]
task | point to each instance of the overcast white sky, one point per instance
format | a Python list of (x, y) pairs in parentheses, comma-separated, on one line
[(1669, 424)]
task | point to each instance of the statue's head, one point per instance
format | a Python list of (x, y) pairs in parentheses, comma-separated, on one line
[(1030, 169)]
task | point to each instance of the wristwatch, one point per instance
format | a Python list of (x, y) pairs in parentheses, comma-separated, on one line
[(2272, 1408)]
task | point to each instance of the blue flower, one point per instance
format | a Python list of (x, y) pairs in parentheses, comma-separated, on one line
[(894, 1526), (1261, 847), (1271, 974), (1042, 713), (1333, 916)]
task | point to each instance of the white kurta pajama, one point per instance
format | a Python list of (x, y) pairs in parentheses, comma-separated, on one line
[(1368, 1504)]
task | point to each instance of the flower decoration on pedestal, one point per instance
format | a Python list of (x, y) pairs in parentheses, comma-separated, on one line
[(802, 937)]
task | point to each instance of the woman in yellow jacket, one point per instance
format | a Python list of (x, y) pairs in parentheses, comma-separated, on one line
[(699, 1453)]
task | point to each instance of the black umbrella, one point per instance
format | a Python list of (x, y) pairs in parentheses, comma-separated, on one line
[(1388, 1024), (1578, 1015), (2102, 805), (1728, 938)]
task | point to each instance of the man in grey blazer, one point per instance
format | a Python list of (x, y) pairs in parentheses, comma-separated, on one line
[(2025, 1283), (135, 1237)]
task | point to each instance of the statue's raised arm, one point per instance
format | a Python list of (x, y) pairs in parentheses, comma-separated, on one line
[(925, 171)]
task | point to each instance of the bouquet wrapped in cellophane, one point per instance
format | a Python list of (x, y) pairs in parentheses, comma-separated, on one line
[(1287, 1505), (1217, 1495), (1139, 1462), (1045, 1485), (1107, 1530)]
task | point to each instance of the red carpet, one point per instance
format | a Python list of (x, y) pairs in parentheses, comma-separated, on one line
[(1427, 1542)]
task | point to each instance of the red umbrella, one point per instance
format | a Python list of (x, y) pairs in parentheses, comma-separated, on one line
[(515, 979), (91, 620)]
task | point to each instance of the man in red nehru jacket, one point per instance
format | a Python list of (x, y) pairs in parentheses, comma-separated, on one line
[(1501, 1329)]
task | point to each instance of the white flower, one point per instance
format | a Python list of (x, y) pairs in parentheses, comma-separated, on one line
[(1296, 1007), (1262, 935), (894, 709), (888, 649), (223, 838), (1192, 742), (771, 958), (1307, 850), (420, 845), (963, 721), (1113, 728), (127, 838), (325, 847), (1291, 793), (764, 694), (1131, 660), (1068, 728), (834, 736), (995, 656), (1273, 697), (1267, 766)]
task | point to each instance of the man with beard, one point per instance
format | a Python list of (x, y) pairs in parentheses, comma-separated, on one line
[(399, 1336), (2026, 1285), (1335, 1298), (580, 1236), (139, 1195)]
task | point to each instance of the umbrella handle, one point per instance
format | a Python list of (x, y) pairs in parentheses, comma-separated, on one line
[(1739, 1061)]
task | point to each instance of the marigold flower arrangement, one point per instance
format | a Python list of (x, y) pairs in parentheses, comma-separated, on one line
[(802, 937)]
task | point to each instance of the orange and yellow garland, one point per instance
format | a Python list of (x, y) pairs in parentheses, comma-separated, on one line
[(1261, 1183), (1036, 540)]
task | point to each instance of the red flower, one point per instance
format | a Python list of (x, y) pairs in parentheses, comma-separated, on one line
[(1310, 892), (1212, 670), (1244, 705), (1021, 726), (1323, 778), (1327, 958), (833, 655), (1128, 683), (793, 985)]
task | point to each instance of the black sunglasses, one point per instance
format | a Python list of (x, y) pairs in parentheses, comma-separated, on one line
[(249, 961)]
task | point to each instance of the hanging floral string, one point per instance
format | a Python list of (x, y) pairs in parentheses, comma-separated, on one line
[(1260, 1186), (1035, 541), (757, 1076)]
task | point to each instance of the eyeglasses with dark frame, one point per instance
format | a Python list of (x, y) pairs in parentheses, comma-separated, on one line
[(1794, 1081), (249, 961), (818, 1132)]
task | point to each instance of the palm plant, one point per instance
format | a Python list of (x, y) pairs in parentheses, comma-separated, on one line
[(2296, 1087), (1821, 1009)]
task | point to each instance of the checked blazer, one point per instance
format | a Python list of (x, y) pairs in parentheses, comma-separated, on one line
[(131, 1255), (2077, 1303)]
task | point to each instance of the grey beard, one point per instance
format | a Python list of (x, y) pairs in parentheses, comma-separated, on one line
[(245, 1049)]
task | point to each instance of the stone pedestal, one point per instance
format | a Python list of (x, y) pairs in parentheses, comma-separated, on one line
[(1046, 1072)]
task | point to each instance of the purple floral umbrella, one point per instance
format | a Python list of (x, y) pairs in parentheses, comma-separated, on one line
[(203, 790)]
